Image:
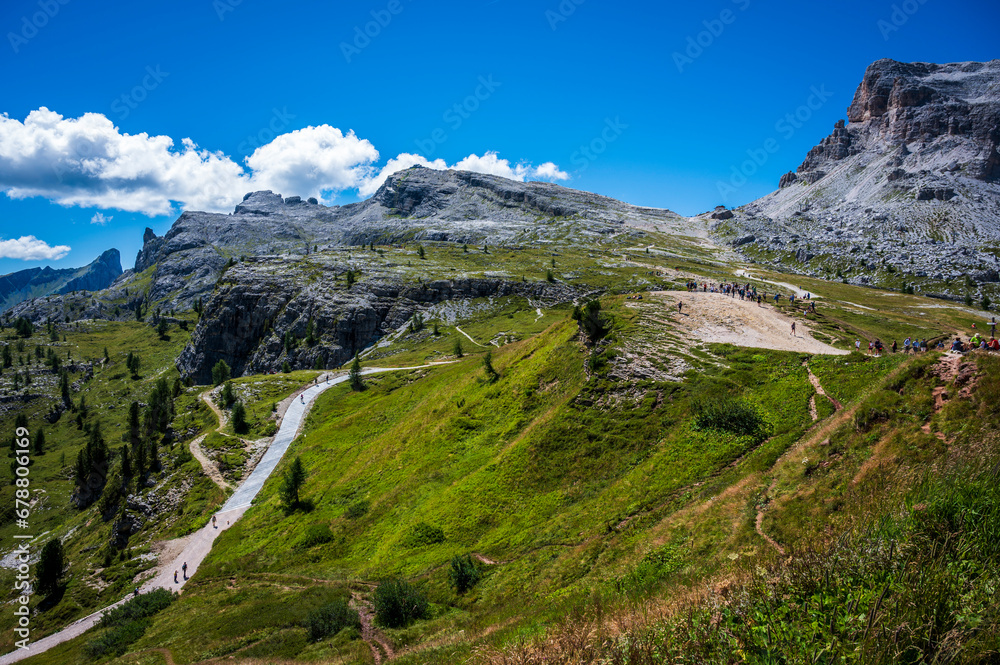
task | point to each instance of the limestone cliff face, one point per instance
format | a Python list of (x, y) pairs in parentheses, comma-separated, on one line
[(910, 184), (258, 303)]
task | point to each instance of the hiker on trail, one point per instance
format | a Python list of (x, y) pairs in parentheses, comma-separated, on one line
[(213, 522), (758, 301), (185, 569), (994, 344), (777, 297), (956, 346), (302, 398), (870, 347), (175, 577), (878, 348), (793, 328), (857, 345), (679, 306), (812, 306), (993, 327), (136, 592), (906, 345), (894, 347), (923, 345)]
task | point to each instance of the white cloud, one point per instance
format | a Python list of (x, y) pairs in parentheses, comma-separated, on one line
[(490, 163), (312, 162), (549, 171), (89, 162), (100, 219), (30, 248)]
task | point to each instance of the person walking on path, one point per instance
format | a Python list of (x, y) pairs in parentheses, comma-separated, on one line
[(175, 577), (793, 328), (679, 306), (185, 569), (894, 346), (213, 522), (857, 345)]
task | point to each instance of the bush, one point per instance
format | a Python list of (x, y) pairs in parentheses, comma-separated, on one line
[(317, 534), (730, 414), (398, 604), (424, 534), (464, 573), (330, 620), (356, 510), (128, 623)]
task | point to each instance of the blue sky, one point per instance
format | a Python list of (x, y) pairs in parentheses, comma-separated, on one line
[(618, 98)]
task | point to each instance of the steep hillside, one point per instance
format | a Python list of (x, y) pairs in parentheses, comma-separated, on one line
[(907, 191)]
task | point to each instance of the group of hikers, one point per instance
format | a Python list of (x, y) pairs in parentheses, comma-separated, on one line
[(746, 292), (876, 348)]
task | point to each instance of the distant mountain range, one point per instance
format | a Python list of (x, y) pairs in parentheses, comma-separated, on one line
[(38, 282), (908, 190)]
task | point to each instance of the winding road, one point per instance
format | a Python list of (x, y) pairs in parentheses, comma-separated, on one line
[(196, 546)]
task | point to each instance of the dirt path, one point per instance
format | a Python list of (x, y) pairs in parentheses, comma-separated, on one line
[(716, 317), (196, 546), (381, 647), (819, 432), (210, 468), (469, 338)]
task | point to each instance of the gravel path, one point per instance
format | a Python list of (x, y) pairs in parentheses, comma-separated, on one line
[(198, 544)]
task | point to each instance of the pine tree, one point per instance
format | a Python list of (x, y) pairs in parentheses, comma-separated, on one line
[(221, 373), (49, 571), (291, 484), (458, 348), (354, 376), (491, 374), (39, 442), (420, 252), (239, 418)]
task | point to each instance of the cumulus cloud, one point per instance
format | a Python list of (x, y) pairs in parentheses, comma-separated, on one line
[(490, 162), (100, 219), (30, 248), (313, 161), (89, 162)]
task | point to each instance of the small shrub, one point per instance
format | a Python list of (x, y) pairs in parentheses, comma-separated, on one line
[(398, 604), (330, 620), (316, 534), (356, 510), (424, 534), (464, 573)]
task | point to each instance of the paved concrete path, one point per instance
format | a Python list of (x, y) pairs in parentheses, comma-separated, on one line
[(199, 543)]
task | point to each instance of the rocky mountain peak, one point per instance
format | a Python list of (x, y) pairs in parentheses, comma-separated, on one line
[(910, 185)]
